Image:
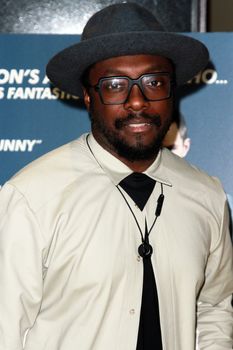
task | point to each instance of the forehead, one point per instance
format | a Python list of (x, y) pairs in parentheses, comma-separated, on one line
[(132, 66)]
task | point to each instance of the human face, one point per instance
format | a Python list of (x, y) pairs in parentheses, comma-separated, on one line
[(134, 130)]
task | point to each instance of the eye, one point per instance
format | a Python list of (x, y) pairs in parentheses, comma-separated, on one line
[(154, 82), (114, 85)]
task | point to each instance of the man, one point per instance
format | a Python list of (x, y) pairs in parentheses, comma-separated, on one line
[(87, 260), (176, 139)]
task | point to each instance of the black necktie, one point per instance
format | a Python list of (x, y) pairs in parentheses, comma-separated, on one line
[(139, 187)]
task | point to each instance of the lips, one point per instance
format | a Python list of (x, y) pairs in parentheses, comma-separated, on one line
[(138, 123), (139, 126)]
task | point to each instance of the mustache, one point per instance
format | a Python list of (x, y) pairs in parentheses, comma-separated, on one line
[(152, 119)]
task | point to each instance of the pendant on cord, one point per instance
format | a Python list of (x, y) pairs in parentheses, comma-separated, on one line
[(145, 250)]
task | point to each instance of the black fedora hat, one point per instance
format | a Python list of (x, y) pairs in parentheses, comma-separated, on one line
[(119, 30)]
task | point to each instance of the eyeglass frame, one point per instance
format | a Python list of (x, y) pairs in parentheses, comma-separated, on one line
[(133, 82)]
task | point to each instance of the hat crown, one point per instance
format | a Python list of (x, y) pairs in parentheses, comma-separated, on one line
[(121, 30), (120, 18)]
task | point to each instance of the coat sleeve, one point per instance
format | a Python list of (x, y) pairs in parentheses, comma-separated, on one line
[(214, 307), (21, 246)]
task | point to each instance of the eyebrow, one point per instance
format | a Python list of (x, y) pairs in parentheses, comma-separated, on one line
[(150, 69)]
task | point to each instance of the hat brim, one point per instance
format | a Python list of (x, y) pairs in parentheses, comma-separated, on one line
[(188, 55)]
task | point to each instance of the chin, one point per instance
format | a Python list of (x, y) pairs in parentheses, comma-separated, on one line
[(139, 151)]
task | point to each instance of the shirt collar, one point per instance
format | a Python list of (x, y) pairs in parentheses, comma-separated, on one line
[(117, 170)]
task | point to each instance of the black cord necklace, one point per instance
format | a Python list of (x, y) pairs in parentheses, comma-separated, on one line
[(145, 249)]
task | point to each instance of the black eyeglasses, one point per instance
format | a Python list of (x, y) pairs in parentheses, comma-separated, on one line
[(116, 90)]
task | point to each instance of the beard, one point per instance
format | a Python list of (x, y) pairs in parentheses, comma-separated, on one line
[(119, 145)]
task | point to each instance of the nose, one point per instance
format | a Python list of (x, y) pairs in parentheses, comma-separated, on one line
[(136, 101)]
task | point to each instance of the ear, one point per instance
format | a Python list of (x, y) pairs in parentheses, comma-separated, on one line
[(87, 98)]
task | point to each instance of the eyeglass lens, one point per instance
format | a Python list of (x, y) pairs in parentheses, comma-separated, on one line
[(153, 86)]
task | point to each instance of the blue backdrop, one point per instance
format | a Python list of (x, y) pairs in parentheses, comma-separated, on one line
[(33, 120)]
